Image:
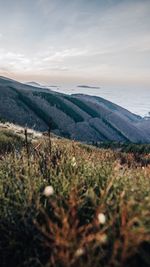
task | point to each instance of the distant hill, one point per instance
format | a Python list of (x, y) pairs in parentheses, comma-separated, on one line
[(88, 86), (80, 117), (34, 84)]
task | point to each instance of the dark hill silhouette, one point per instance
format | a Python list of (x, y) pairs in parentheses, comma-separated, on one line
[(80, 117)]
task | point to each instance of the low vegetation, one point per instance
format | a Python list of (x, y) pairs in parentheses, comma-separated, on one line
[(140, 153), (2, 120), (9, 141), (65, 204), (125, 147)]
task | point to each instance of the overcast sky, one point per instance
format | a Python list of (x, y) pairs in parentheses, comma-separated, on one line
[(74, 41)]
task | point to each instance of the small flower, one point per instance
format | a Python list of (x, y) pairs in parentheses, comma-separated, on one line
[(48, 191), (101, 218), (79, 252)]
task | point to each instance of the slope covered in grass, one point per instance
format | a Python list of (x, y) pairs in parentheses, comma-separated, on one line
[(95, 212)]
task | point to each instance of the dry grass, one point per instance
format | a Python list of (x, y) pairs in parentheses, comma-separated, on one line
[(65, 229)]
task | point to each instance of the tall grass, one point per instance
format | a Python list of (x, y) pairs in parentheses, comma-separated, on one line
[(9, 141), (96, 215)]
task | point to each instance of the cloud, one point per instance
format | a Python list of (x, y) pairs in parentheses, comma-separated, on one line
[(59, 56), (13, 61), (97, 38)]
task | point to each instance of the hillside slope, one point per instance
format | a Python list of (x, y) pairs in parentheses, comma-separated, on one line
[(80, 117)]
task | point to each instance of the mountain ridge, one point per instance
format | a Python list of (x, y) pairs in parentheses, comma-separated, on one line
[(77, 116)]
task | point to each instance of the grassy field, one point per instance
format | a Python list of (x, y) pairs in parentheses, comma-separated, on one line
[(65, 204)]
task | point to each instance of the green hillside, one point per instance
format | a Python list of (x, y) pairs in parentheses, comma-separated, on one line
[(54, 100)]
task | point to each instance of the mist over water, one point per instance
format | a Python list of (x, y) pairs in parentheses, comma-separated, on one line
[(136, 100)]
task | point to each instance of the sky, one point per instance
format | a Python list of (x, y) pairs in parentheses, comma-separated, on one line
[(76, 41)]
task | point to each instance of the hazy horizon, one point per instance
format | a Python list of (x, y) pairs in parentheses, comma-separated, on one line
[(91, 42)]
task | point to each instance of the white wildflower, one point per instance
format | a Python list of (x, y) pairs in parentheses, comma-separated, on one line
[(101, 218), (79, 252), (48, 191)]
